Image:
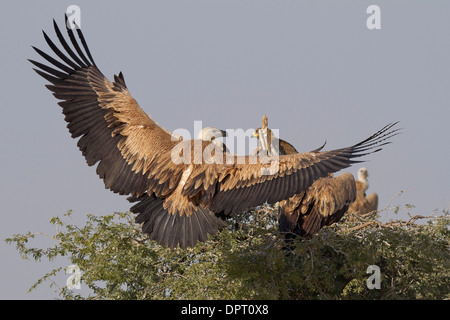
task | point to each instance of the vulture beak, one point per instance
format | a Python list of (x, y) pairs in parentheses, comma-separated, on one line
[(224, 133), (255, 134)]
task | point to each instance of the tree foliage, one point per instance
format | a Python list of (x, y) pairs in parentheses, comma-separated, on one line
[(250, 260)]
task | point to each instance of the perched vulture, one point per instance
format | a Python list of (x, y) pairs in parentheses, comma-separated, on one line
[(363, 204), (183, 189), (321, 204)]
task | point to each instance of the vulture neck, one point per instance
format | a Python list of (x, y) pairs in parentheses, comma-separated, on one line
[(364, 181)]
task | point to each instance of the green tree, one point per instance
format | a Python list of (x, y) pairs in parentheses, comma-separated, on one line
[(249, 260)]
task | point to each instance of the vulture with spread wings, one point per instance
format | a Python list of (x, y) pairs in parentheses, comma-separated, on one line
[(181, 197)]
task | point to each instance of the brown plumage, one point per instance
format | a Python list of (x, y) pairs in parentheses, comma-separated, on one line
[(363, 203), (181, 197), (321, 204)]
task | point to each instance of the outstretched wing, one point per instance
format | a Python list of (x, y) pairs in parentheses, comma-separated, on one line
[(254, 181), (133, 154), (132, 151)]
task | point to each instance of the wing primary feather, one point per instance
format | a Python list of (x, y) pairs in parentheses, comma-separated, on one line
[(379, 134), (66, 46), (75, 44), (47, 76), (320, 148), (53, 61), (58, 52), (85, 46)]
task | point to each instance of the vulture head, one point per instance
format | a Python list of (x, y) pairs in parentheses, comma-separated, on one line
[(211, 134), (362, 177), (264, 136), (264, 125), (271, 143)]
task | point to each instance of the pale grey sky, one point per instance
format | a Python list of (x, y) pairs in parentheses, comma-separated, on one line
[(313, 67)]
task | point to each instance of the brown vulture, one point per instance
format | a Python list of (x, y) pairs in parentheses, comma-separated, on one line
[(181, 195), (323, 203), (363, 203)]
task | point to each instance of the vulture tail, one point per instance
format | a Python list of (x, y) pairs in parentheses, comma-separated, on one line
[(170, 230)]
